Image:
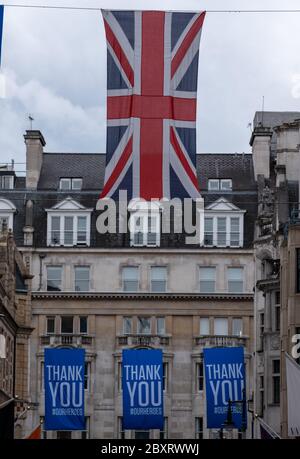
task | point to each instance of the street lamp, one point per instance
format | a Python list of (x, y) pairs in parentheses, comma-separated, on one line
[(229, 423)]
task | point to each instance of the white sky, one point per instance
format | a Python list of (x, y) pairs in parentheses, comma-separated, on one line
[(54, 63)]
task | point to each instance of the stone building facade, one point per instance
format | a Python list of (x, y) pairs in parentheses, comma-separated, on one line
[(275, 145), (106, 293), (15, 329)]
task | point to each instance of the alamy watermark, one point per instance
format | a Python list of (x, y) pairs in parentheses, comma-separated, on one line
[(175, 216)]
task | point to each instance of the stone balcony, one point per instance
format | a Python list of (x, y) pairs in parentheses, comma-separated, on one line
[(66, 340), (143, 340), (220, 341)]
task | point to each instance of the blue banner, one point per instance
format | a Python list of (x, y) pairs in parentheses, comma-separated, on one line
[(225, 380), (142, 383), (1, 27), (64, 389)]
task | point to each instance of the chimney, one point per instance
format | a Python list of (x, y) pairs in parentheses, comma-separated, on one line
[(260, 142), (35, 143)]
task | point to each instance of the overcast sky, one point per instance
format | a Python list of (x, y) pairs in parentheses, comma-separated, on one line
[(54, 62)]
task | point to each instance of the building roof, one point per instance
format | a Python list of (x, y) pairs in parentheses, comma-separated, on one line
[(91, 167)]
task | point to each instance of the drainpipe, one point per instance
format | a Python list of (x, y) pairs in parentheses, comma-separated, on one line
[(42, 256)]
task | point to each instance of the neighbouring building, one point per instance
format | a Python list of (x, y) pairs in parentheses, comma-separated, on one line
[(275, 146), (15, 330), (144, 289)]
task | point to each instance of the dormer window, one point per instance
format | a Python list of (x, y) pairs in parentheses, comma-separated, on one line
[(223, 225), (7, 182), (219, 184), (68, 224), (7, 210), (145, 225), (67, 184)]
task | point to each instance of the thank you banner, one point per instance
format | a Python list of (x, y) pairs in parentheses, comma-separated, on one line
[(64, 389), (142, 384), (225, 380)]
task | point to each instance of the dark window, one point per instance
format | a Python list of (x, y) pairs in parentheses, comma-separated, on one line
[(64, 435), (86, 375), (142, 434), (277, 318), (165, 376), (50, 329), (163, 434), (298, 271), (199, 428), (83, 324), (121, 431), (67, 324), (199, 376), (276, 381)]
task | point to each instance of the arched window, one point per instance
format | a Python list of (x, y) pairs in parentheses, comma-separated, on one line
[(7, 210)]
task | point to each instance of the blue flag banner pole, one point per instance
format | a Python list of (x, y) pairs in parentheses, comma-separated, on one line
[(142, 384), (64, 389), (1, 28), (225, 384)]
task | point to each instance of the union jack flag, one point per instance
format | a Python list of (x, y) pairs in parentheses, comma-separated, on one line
[(152, 70)]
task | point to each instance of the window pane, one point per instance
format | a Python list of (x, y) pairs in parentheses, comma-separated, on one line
[(160, 324), (81, 229), (67, 324), (221, 326), (221, 228), (68, 231), (50, 325), (76, 183), (234, 231), (65, 184), (54, 274), (235, 280), (55, 230), (130, 278), (213, 184), (83, 324), (237, 327), (208, 231), (204, 326), (144, 325), (82, 278), (207, 279), (158, 278), (127, 325), (226, 184)]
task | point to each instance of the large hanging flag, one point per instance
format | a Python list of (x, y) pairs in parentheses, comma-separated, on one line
[(1, 28), (152, 70), (293, 400)]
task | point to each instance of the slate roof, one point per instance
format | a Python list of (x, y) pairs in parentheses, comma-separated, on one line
[(91, 167)]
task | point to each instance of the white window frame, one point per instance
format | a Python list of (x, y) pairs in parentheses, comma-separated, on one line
[(76, 216), (135, 280), (7, 210), (148, 318), (211, 182), (242, 279), (144, 210), (228, 215), (201, 268), (61, 276), (225, 321), (88, 268), (161, 332), (222, 181), (11, 182), (165, 279)]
